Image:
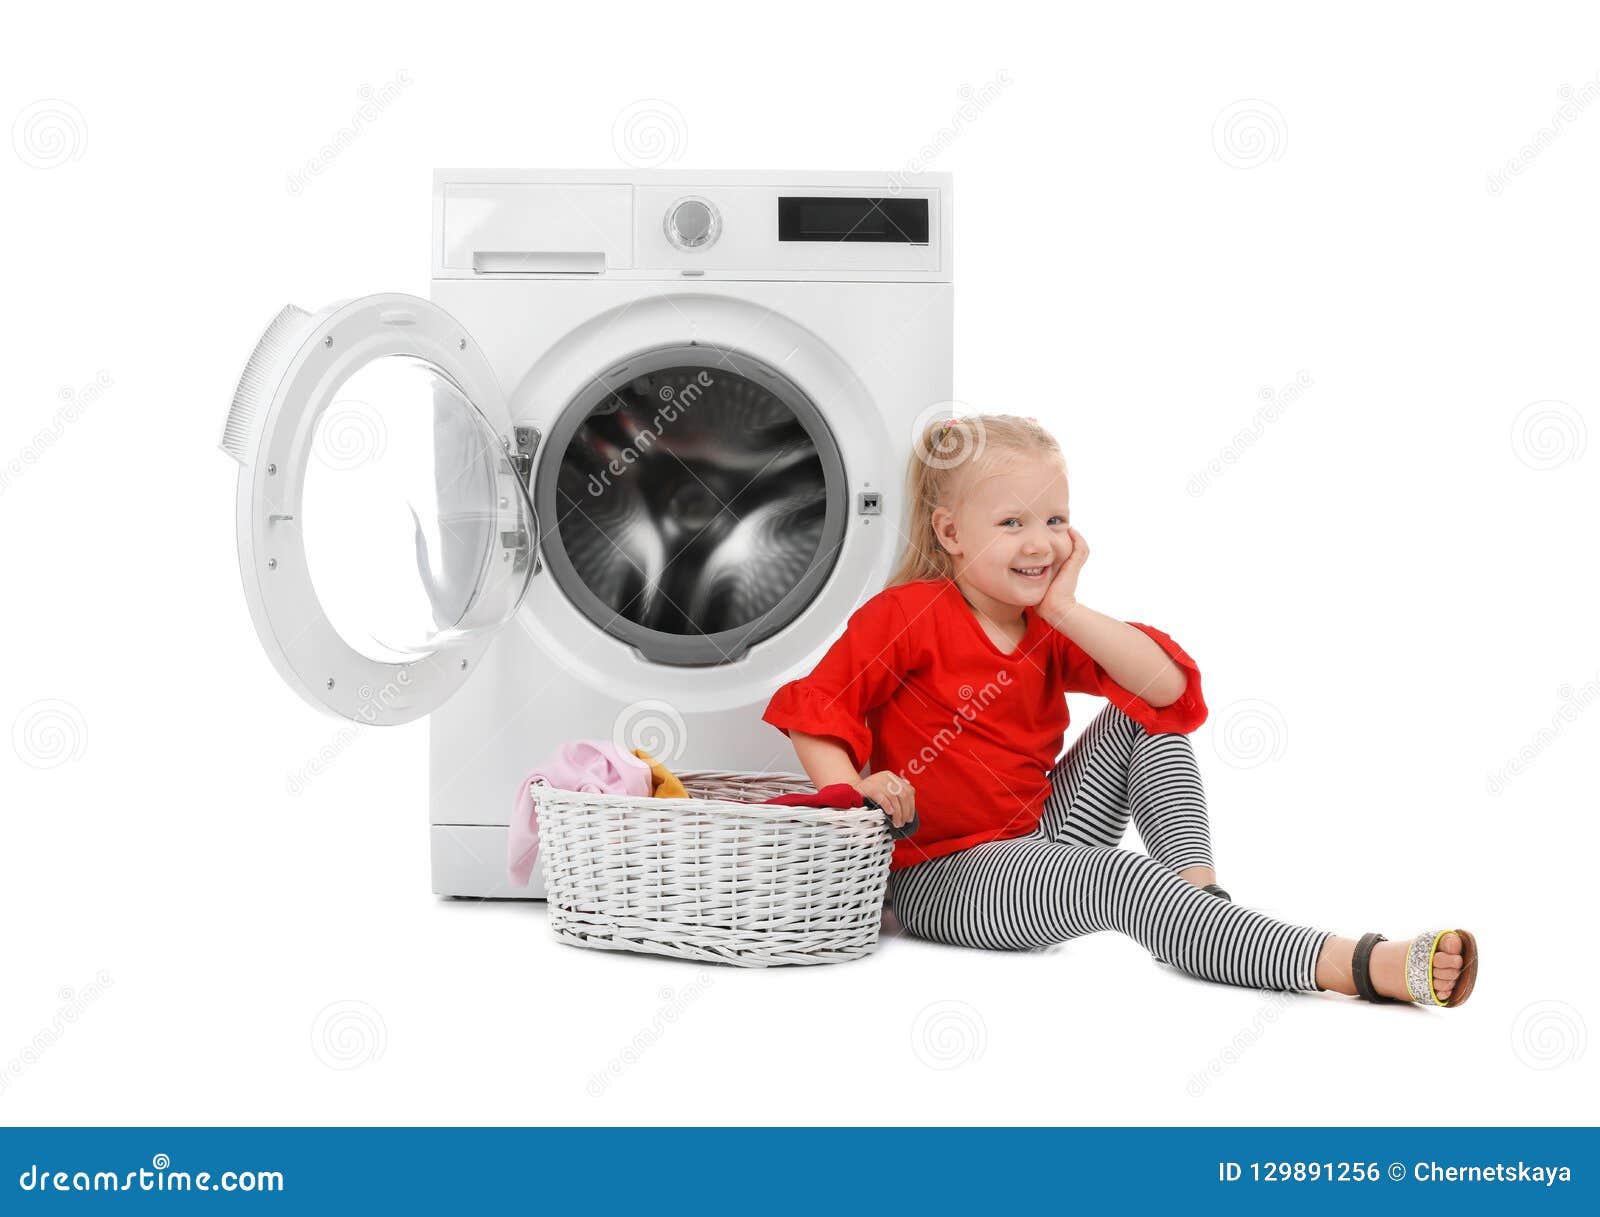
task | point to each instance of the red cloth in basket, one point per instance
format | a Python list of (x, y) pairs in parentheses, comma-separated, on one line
[(837, 794)]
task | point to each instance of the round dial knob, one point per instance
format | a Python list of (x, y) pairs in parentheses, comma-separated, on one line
[(692, 223)]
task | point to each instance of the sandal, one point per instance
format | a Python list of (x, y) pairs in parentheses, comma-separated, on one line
[(1419, 968)]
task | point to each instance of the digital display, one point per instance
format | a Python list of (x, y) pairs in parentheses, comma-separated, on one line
[(833, 218)]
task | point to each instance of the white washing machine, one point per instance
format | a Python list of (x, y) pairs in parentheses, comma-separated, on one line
[(629, 470)]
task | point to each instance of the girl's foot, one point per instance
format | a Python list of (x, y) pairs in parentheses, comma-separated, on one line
[(1454, 967), (1389, 967)]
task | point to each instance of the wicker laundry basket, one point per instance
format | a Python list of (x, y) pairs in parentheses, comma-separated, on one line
[(712, 878)]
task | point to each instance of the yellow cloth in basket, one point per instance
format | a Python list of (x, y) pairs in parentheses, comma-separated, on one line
[(664, 783)]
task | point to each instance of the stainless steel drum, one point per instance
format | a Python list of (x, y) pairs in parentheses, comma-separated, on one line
[(697, 503)]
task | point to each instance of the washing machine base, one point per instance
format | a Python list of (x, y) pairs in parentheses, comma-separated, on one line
[(470, 860)]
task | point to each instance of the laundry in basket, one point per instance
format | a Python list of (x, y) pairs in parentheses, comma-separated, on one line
[(600, 767), (593, 766)]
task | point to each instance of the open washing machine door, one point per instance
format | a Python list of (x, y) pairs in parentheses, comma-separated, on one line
[(385, 532)]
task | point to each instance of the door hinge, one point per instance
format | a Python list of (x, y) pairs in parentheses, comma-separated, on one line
[(520, 451)]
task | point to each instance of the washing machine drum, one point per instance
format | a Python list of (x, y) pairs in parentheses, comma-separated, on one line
[(698, 504)]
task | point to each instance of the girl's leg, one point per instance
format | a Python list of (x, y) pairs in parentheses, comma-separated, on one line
[(1116, 771), (1030, 892)]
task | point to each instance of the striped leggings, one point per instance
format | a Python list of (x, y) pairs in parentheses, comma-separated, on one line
[(1069, 877)]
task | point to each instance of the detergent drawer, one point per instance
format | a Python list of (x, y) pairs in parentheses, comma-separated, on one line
[(537, 229)]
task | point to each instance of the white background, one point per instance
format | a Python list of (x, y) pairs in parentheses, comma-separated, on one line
[(1165, 219)]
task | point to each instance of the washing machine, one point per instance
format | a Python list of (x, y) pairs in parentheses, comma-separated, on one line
[(629, 468)]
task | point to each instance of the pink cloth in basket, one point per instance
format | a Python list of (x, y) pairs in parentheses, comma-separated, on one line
[(595, 766)]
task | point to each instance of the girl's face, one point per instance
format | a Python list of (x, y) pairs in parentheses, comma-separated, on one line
[(1008, 530)]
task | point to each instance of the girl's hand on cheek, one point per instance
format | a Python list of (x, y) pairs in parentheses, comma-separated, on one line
[(1062, 594)]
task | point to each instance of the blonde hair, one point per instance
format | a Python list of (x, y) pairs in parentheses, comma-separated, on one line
[(944, 457)]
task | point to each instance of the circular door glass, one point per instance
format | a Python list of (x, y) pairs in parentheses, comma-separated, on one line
[(697, 503), (417, 529)]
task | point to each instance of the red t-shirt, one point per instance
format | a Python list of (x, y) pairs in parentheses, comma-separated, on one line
[(915, 686)]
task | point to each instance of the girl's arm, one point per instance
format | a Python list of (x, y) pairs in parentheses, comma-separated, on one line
[(825, 714), (1129, 656), (826, 762)]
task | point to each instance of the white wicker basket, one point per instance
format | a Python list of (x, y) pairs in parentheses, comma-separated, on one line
[(711, 877)]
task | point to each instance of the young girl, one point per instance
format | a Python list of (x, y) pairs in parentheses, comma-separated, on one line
[(952, 683)]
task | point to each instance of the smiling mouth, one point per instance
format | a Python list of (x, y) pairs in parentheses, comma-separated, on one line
[(1030, 572)]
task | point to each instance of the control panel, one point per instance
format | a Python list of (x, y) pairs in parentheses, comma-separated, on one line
[(661, 225)]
